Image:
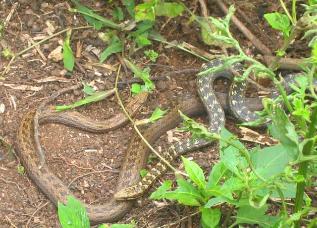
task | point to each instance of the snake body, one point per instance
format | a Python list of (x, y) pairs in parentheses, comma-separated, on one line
[(216, 119)]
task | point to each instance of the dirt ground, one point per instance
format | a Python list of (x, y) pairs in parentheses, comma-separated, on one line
[(73, 154)]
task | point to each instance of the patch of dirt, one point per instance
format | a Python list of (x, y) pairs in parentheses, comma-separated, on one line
[(78, 157)]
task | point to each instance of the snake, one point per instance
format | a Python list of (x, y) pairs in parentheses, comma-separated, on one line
[(239, 107), (137, 151)]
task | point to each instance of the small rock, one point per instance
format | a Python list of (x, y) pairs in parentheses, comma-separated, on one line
[(36, 28), (56, 55), (2, 108), (162, 85)]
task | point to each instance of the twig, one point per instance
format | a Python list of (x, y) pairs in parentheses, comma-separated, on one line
[(284, 63), (86, 174), (136, 128), (37, 48), (255, 41), (11, 223), (203, 7), (6, 22), (37, 210), (180, 220), (11, 182)]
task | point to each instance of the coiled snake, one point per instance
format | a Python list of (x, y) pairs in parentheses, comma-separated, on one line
[(137, 151)]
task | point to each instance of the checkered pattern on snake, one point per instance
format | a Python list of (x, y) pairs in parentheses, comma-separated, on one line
[(216, 118)]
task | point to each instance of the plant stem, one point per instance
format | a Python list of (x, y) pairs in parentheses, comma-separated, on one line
[(294, 10), (136, 128), (286, 11), (303, 167)]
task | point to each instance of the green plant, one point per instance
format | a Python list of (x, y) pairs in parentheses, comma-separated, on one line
[(68, 56), (247, 180), (73, 214), (151, 54), (7, 53)]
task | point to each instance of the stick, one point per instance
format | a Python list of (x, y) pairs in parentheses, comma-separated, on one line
[(255, 41)]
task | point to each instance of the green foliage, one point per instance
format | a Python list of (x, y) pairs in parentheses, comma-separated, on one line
[(88, 90), (148, 10), (73, 214), (143, 172), (279, 22), (118, 14), (20, 169), (68, 56), (96, 96), (115, 46), (144, 75), (152, 55), (93, 18), (7, 53), (157, 114)]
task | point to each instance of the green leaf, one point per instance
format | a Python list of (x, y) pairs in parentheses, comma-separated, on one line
[(157, 114), (97, 96), (185, 186), (129, 4), (160, 192), (251, 215), (279, 22), (197, 130), (215, 201), (137, 88), (145, 11), (152, 55), (68, 57), (216, 174), (118, 14), (144, 75), (142, 40), (314, 52), (195, 173), (94, 19), (73, 214), (210, 217), (233, 184), (270, 161), (230, 153), (114, 46), (300, 109), (183, 197), (218, 191), (283, 130), (143, 172), (169, 9), (88, 90)]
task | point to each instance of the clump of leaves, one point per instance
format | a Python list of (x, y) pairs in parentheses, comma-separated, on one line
[(144, 75), (7, 53), (151, 54)]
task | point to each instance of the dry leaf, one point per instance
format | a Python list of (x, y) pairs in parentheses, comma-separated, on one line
[(253, 136), (56, 55)]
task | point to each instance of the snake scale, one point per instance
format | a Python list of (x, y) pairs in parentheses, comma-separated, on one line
[(137, 152)]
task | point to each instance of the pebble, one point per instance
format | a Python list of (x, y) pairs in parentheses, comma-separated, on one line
[(36, 28), (162, 85)]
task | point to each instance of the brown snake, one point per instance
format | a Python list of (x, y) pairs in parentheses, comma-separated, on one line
[(134, 161)]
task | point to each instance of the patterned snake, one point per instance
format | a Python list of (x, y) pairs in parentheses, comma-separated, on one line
[(137, 151)]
